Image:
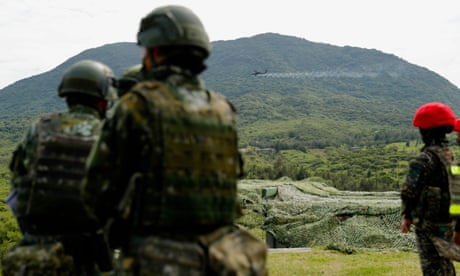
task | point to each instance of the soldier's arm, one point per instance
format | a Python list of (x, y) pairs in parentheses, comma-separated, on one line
[(97, 182), (112, 161), (17, 161), (22, 153), (411, 190)]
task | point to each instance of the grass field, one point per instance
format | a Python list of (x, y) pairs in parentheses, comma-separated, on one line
[(365, 262)]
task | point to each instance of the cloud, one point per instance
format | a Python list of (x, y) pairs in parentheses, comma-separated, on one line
[(38, 35)]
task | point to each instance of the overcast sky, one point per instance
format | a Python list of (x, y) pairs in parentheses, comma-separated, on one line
[(38, 35)]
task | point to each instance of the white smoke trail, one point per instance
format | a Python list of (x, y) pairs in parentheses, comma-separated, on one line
[(321, 74)]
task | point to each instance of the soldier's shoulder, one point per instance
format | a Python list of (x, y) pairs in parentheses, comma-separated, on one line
[(427, 157), (133, 101), (46, 120), (143, 88), (75, 118), (48, 116), (149, 85), (221, 97)]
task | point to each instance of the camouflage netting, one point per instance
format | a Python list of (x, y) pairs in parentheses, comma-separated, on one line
[(308, 213)]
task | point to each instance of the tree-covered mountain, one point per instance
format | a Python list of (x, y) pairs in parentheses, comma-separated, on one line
[(322, 112), (312, 96), (317, 94)]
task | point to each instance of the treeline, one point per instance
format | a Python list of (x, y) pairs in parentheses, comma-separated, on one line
[(373, 168)]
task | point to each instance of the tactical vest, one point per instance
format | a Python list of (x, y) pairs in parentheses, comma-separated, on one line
[(453, 172), (49, 198), (191, 178)]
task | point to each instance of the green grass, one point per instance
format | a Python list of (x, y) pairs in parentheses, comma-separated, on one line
[(327, 262)]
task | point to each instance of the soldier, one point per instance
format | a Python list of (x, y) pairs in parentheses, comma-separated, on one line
[(47, 169), (426, 195), (167, 163), (129, 78)]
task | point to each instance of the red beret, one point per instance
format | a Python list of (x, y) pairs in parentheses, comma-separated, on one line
[(434, 114), (457, 125)]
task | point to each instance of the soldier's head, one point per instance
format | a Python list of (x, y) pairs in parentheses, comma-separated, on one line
[(129, 78), (90, 83), (174, 35), (434, 120)]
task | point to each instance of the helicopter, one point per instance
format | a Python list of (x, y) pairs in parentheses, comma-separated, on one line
[(255, 73)]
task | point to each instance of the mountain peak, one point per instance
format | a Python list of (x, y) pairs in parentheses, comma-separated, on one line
[(309, 92)]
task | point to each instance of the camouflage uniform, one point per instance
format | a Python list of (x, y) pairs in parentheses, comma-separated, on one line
[(166, 164), (47, 169), (76, 232), (131, 145), (130, 141), (129, 78), (425, 201)]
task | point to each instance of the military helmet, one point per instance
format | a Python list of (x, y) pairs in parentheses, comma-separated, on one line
[(133, 73), (129, 78), (90, 78), (173, 26), (433, 115)]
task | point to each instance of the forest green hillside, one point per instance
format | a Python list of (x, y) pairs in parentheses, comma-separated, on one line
[(27, 98), (319, 110), (313, 95), (316, 95), (333, 119)]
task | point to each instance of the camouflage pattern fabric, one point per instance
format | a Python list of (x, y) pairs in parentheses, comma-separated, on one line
[(425, 200), (432, 263), (166, 256), (427, 177), (198, 152), (129, 78), (235, 252), (228, 250), (37, 259), (447, 249), (47, 172), (132, 141), (188, 182), (453, 173), (49, 202)]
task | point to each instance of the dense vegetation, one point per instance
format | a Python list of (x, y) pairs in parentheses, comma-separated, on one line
[(321, 94), (342, 114), (9, 232), (373, 168), (320, 110)]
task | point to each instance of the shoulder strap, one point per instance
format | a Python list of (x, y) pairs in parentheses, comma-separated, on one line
[(453, 174), (48, 123), (441, 153), (133, 196)]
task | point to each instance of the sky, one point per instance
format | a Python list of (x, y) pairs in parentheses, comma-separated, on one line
[(38, 35)]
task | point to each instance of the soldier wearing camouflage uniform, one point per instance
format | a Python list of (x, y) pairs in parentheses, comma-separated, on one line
[(47, 169), (129, 78), (166, 164), (426, 195)]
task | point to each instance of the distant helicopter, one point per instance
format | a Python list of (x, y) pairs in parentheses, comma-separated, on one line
[(255, 73)]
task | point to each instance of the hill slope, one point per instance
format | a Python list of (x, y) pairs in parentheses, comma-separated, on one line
[(318, 95), (313, 94)]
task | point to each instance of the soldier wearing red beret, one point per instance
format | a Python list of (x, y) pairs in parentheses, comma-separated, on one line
[(426, 193)]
